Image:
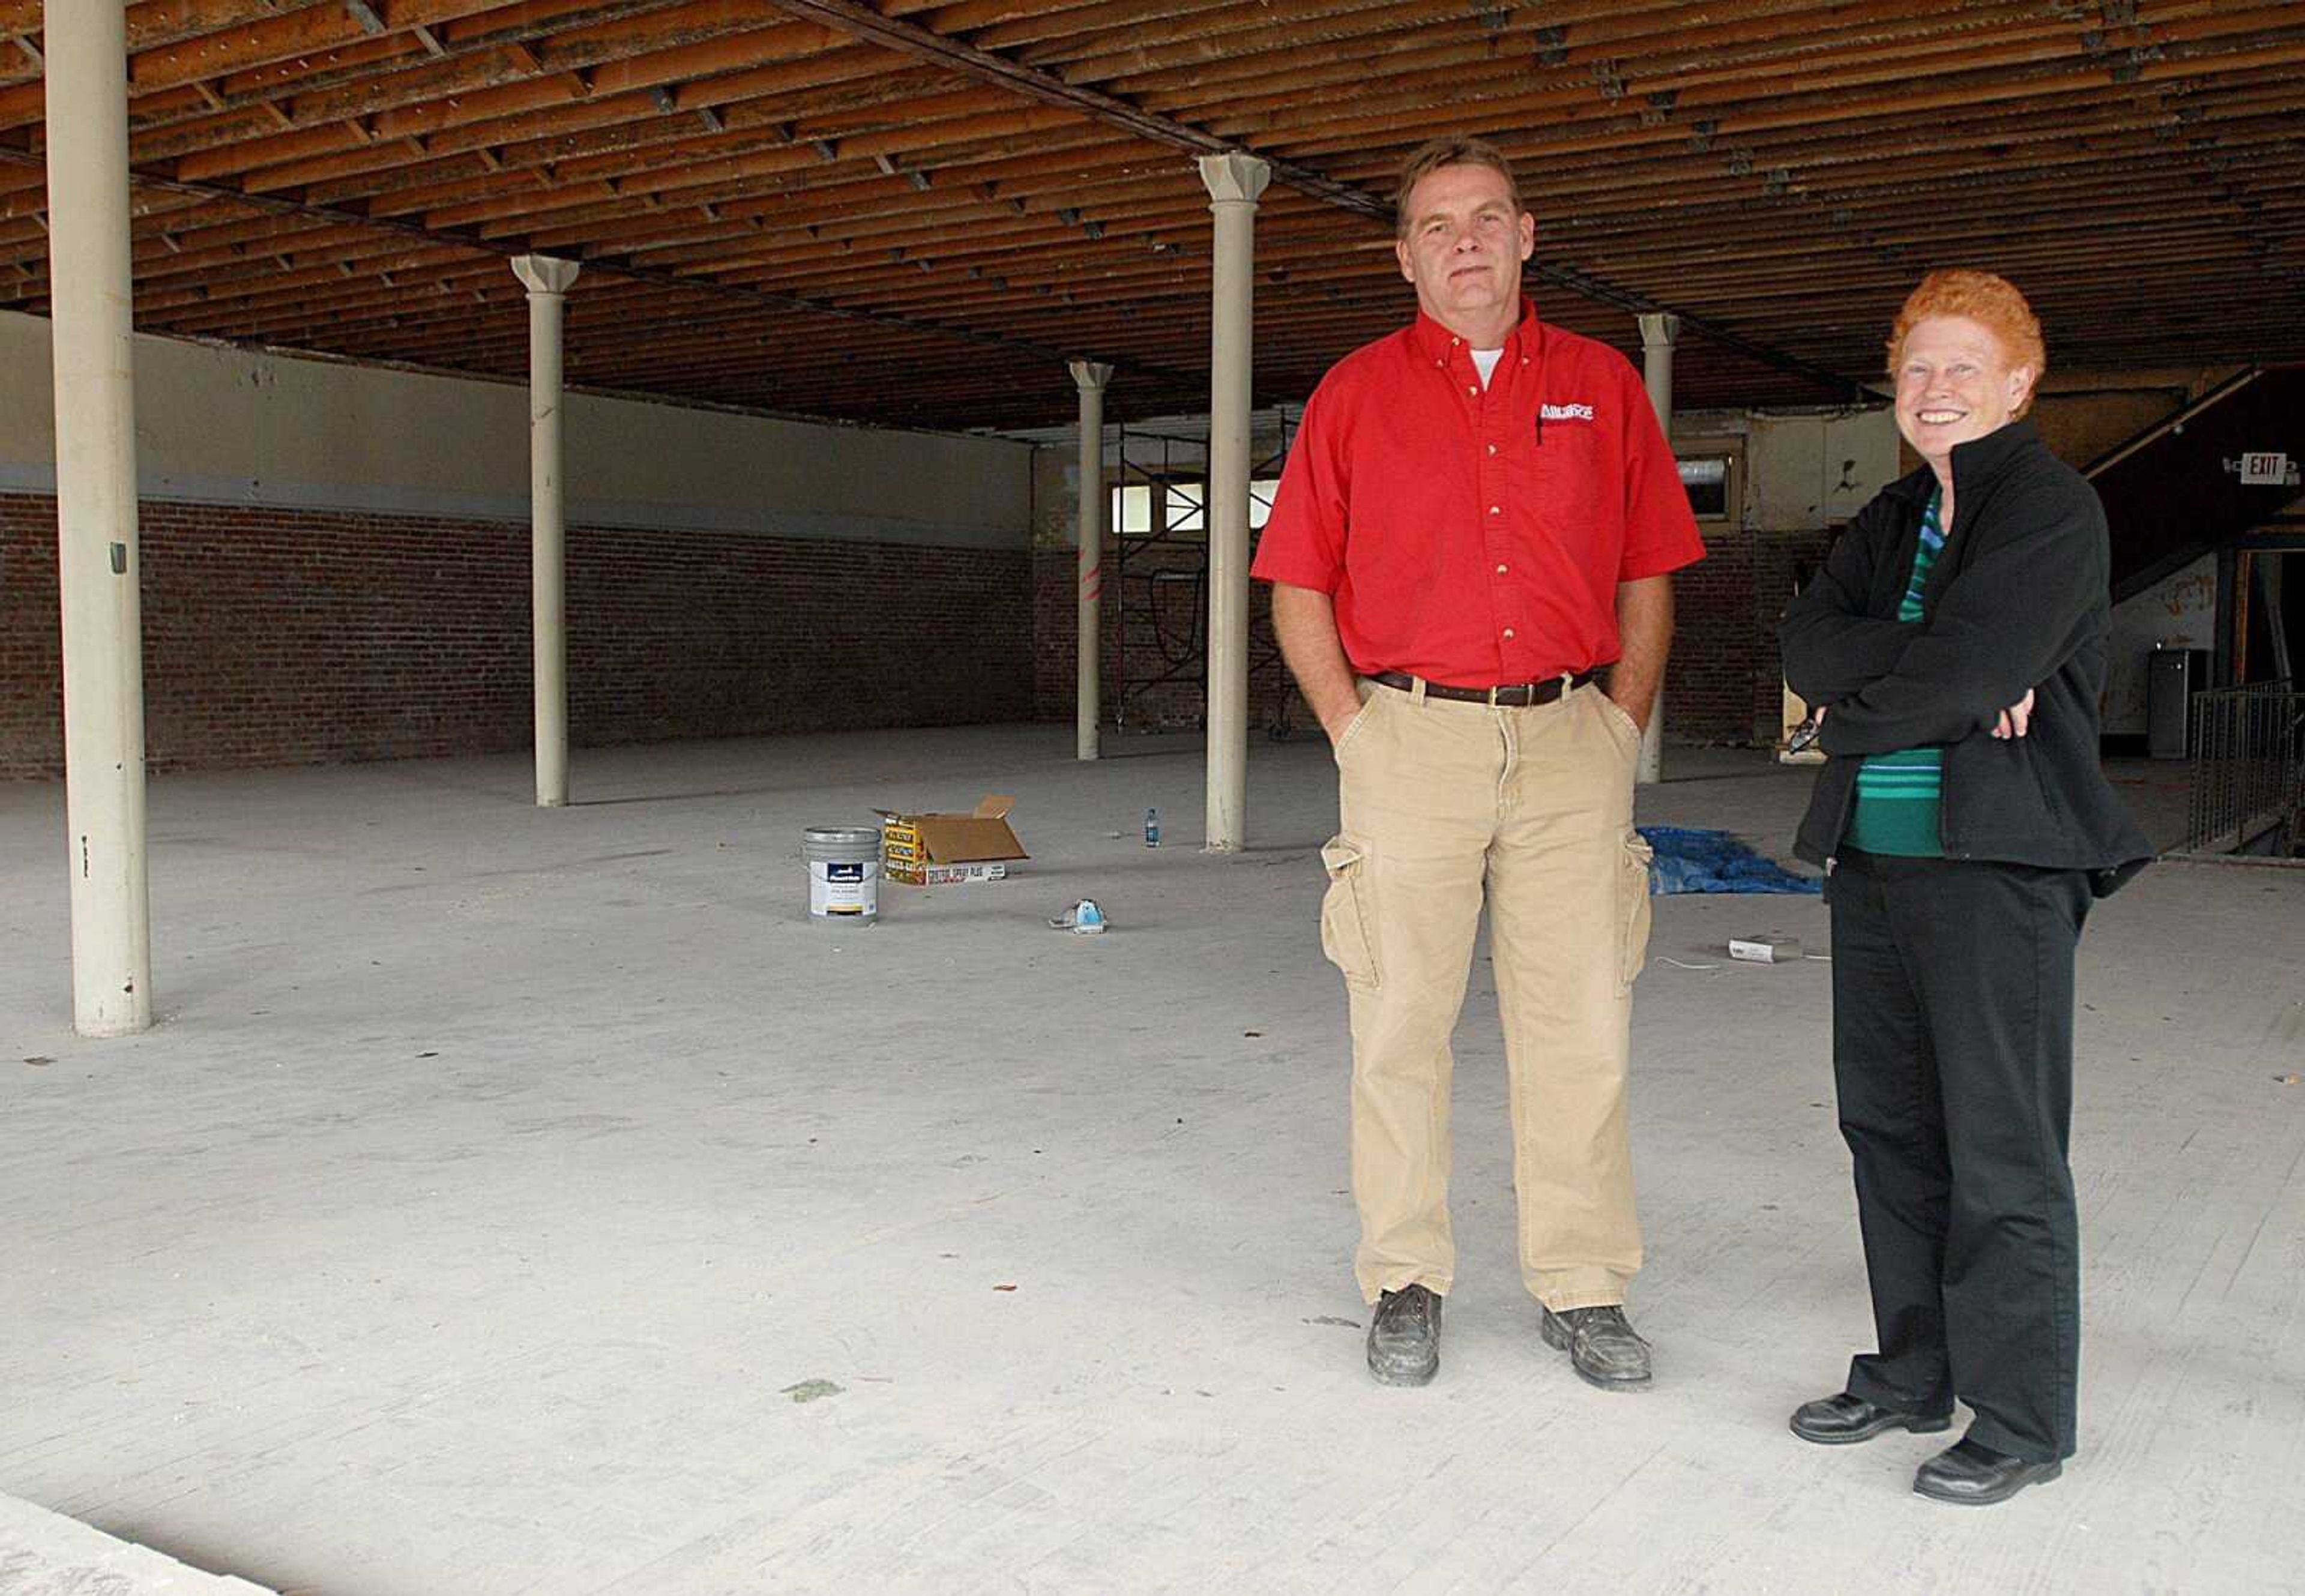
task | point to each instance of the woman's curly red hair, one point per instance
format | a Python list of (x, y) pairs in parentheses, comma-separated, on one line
[(1990, 301)]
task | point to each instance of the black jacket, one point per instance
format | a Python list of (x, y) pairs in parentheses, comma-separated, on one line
[(2018, 599)]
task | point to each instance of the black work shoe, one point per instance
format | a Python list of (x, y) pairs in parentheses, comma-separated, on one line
[(1404, 1338), (1840, 1421), (1978, 1476), (1600, 1346)]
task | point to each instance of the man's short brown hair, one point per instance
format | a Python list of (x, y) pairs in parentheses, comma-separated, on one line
[(1455, 150)]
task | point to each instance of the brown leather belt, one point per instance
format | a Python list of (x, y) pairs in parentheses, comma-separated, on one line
[(1519, 695)]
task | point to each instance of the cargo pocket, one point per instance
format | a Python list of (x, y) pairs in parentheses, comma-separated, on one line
[(1345, 916), (1632, 910)]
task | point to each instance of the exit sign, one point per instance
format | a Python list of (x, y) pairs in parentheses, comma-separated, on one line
[(2264, 470)]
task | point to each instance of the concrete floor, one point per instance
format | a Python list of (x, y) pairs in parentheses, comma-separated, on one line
[(532, 1201)]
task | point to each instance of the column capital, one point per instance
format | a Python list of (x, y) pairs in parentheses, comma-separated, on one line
[(545, 274), (1091, 374), (1659, 330), (1234, 179)]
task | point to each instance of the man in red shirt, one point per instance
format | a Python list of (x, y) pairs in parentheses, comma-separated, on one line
[(1479, 514)]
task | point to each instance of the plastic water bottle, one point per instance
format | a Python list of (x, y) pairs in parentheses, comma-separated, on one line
[(1152, 828)]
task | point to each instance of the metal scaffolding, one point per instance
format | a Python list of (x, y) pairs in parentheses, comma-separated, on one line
[(1159, 527)]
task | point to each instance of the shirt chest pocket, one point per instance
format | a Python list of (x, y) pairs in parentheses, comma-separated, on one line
[(1565, 479)]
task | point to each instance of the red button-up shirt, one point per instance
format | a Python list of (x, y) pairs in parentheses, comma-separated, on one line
[(1475, 536)]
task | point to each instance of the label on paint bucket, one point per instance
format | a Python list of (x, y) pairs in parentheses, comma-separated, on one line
[(843, 890)]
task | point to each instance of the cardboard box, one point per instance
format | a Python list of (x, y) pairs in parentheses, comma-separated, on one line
[(945, 850)]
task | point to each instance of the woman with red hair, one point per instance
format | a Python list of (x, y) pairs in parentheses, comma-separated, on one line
[(1954, 646)]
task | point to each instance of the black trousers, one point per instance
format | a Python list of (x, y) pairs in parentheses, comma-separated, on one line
[(1952, 1056)]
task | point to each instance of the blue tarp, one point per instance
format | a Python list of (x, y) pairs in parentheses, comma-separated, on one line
[(1693, 860)]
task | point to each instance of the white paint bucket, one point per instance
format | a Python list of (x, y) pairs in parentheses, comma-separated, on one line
[(844, 873)]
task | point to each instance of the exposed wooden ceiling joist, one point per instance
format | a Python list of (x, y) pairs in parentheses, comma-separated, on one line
[(965, 193), (465, 242), (862, 21)]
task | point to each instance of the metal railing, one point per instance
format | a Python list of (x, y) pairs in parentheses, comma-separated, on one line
[(2249, 770)]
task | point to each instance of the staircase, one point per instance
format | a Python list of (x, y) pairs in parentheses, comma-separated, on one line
[(2174, 492)]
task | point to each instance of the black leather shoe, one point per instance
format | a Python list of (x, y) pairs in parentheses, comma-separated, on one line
[(1404, 1338), (1840, 1421), (1977, 1476), (1600, 1346)]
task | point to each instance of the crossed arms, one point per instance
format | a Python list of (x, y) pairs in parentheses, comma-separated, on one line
[(2016, 611)]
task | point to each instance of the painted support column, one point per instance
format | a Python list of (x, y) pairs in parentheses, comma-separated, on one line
[(549, 282), (1658, 335), (1234, 183), (1090, 375), (98, 564)]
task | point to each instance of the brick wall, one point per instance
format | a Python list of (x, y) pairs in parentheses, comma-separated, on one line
[(278, 637), (1722, 684), (1146, 627), (1054, 627), (1726, 680), (31, 665)]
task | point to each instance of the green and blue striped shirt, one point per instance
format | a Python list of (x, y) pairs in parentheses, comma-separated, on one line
[(1901, 796)]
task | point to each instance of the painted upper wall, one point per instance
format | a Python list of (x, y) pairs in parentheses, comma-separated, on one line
[(1795, 470), (227, 425)]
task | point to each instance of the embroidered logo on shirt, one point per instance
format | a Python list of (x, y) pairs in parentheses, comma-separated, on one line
[(1564, 412)]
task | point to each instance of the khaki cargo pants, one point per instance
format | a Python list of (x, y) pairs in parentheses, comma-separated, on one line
[(1445, 805)]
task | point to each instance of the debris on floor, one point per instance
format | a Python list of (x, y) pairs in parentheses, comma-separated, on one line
[(1765, 950), (1083, 917), (1693, 860), (809, 1390)]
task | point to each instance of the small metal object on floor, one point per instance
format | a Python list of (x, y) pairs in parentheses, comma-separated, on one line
[(1083, 918)]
